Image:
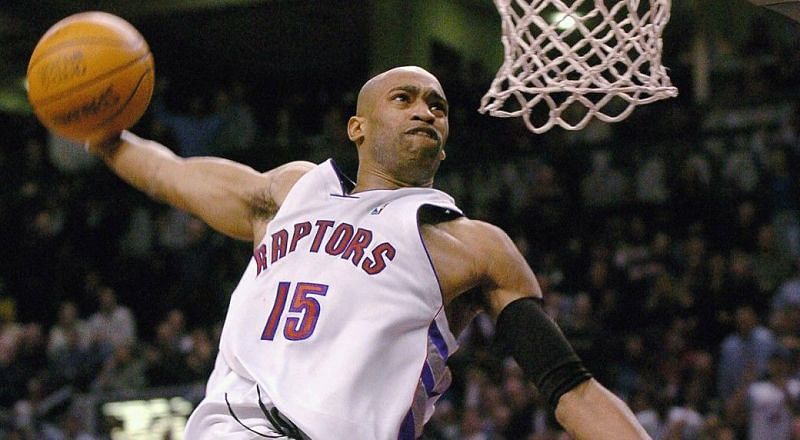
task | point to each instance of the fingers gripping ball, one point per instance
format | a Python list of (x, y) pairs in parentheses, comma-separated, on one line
[(90, 76)]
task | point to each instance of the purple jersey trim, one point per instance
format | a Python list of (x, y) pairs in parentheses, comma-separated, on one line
[(428, 379), (438, 340), (407, 427)]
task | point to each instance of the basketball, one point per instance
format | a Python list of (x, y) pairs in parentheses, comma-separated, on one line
[(89, 76)]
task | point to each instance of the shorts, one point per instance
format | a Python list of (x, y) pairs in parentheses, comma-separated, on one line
[(230, 397)]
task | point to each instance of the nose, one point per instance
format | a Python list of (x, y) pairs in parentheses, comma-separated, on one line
[(423, 113)]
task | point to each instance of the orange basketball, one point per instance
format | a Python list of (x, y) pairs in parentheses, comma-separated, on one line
[(90, 75)]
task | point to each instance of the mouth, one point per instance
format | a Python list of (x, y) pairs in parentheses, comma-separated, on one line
[(428, 132)]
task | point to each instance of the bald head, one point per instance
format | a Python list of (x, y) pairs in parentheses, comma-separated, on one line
[(400, 128), (371, 89)]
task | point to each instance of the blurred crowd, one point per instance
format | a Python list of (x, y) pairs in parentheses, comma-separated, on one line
[(667, 247)]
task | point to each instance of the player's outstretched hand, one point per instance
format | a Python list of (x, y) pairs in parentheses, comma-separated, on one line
[(104, 146)]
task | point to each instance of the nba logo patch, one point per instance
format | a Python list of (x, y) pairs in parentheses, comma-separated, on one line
[(376, 211)]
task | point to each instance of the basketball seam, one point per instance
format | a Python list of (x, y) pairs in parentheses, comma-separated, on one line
[(111, 72), (127, 101), (83, 40)]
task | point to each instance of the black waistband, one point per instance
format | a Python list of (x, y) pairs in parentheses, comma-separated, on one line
[(280, 423)]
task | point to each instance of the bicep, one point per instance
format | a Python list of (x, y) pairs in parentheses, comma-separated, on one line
[(220, 192), (506, 274), (470, 254), (233, 198)]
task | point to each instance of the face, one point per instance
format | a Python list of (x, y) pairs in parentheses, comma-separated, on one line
[(401, 126)]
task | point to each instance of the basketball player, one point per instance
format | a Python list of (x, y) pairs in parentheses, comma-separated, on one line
[(339, 327)]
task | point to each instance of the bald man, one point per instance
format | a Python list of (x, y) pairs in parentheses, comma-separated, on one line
[(339, 327)]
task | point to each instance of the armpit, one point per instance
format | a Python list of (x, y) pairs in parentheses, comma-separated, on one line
[(264, 207)]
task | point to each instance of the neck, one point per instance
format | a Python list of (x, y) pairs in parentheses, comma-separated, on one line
[(371, 179)]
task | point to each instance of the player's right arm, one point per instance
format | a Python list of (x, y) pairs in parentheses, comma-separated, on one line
[(469, 253), (232, 198)]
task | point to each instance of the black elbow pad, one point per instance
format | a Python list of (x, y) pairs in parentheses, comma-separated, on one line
[(525, 332)]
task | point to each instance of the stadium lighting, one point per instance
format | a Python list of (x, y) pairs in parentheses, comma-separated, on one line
[(563, 21)]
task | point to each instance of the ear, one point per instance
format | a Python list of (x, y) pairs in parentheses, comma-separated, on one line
[(355, 129), (442, 154)]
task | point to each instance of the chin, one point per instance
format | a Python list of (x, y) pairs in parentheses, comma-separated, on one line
[(424, 172)]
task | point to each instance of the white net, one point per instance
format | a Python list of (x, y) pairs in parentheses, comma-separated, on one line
[(568, 61)]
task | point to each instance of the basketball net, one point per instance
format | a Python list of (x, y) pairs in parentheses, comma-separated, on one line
[(568, 61)]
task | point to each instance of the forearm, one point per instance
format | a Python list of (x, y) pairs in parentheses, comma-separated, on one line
[(590, 411), (219, 191), (584, 407), (139, 162)]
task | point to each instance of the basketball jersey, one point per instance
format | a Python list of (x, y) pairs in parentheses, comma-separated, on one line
[(338, 317)]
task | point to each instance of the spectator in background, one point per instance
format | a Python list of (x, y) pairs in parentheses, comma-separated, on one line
[(684, 420), (691, 193), (473, 427), (605, 186), (12, 374), (583, 331), (744, 353), (34, 413), (444, 422), (166, 356), (188, 251), (10, 329), (651, 182), (123, 371), (770, 404), (32, 349), (740, 284), (201, 355), (113, 324), (770, 265), (27, 408), (788, 292), (743, 233), (69, 329), (76, 360), (546, 209), (73, 427), (238, 127), (32, 173), (741, 174), (715, 428), (194, 131), (783, 193), (67, 157)]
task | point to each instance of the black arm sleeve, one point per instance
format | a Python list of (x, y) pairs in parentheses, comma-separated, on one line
[(525, 332)]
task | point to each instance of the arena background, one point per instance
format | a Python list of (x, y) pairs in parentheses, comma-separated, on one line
[(668, 245)]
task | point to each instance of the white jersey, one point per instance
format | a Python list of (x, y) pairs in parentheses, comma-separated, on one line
[(338, 318), (770, 414)]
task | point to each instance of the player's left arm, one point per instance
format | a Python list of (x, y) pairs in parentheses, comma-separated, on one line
[(585, 408)]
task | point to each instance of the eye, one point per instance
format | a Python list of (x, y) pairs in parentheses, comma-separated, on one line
[(401, 97), (439, 107)]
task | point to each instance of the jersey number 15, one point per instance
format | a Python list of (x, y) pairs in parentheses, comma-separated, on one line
[(295, 329)]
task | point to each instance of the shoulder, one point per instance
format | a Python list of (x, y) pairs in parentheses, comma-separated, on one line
[(479, 237), (277, 184), (285, 176), (468, 254)]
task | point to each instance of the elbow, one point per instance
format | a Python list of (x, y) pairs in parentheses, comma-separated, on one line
[(577, 396)]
